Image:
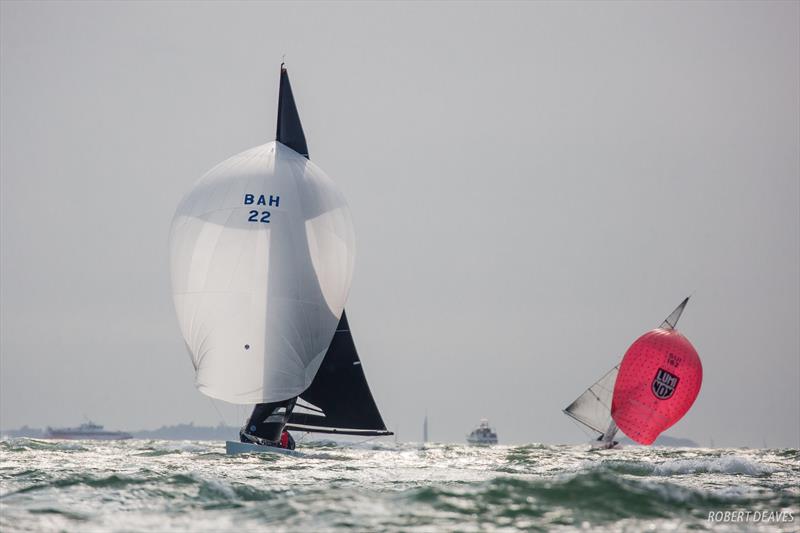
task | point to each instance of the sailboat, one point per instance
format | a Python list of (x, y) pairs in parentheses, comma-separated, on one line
[(261, 258), (654, 385)]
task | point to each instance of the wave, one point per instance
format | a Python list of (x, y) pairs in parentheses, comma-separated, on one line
[(394, 487), (726, 464), (159, 448), (597, 496), (21, 444), (723, 465)]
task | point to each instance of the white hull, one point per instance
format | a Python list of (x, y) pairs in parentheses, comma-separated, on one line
[(482, 435), (234, 448), (481, 442)]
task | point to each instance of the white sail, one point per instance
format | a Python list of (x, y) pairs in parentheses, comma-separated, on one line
[(261, 255), (593, 407)]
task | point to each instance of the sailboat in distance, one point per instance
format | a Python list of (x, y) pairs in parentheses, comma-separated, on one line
[(656, 383), (261, 257)]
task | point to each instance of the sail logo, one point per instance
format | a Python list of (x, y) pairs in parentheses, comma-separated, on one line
[(664, 384), (261, 199)]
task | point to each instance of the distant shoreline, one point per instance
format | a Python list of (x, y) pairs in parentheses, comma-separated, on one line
[(221, 432), (175, 432)]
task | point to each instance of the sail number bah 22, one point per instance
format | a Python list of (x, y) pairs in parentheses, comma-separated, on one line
[(261, 215)]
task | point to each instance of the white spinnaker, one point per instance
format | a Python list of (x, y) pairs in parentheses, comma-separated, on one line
[(593, 407), (258, 302)]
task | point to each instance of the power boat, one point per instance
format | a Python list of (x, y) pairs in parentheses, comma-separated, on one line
[(86, 431), (483, 435)]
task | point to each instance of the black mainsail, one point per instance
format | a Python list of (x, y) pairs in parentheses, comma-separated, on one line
[(340, 398), (289, 131), (341, 393)]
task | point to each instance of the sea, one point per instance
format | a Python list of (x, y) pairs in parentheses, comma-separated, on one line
[(192, 486)]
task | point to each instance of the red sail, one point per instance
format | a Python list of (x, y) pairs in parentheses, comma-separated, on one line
[(658, 381)]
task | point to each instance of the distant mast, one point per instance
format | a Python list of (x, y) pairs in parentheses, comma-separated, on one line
[(425, 429)]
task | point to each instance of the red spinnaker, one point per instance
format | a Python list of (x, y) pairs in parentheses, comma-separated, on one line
[(658, 381)]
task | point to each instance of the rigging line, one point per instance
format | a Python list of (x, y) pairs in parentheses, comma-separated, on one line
[(582, 428), (581, 421), (367, 440), (222, 418)]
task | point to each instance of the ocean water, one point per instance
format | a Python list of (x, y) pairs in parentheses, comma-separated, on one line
[(160, 486)]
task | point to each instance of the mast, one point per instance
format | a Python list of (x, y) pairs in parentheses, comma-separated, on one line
[(289, 130), (425, 429), (268, 420), (610, 433), (339, 384)]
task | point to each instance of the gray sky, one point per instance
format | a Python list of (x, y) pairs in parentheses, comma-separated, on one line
[(533, 186)]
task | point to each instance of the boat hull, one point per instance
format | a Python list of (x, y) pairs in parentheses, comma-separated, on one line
[(603, 445), (234, 448), (482, 442)]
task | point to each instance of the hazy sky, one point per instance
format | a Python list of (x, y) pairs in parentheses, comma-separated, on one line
[(533, 186)]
